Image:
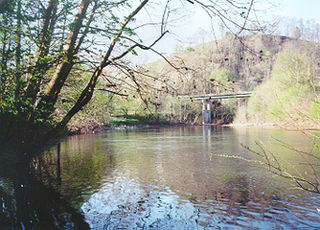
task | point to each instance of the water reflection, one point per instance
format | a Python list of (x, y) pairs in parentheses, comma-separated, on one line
[(171, 178), (167, 178), (81, 163), (28, 203)]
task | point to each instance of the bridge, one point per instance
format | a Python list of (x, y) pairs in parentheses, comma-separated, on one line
[(207, 102)]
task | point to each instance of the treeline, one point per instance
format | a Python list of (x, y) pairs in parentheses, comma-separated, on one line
[(291, 96), (55, 53), (280, 70), (283, 73), (45, 46), (226, 66)]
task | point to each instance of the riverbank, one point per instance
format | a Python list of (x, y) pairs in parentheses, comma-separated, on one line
[(137, 122), (88, 126), (96, 128), (283, 125), (90, 129)]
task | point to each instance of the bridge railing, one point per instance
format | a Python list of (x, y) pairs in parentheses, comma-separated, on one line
[(216, 96)]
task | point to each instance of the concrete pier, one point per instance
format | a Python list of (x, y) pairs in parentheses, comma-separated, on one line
[(206, 112)]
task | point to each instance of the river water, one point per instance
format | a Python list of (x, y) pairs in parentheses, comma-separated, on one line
[(166, 178)]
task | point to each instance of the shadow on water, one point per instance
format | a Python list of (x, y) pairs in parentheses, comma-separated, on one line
[(168, 178), (173, 179), (27, 200)]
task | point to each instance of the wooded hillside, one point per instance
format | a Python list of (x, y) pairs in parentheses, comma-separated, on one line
[(225, 66)]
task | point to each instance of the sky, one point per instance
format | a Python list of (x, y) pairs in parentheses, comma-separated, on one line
[(196, 27), (306, 9)]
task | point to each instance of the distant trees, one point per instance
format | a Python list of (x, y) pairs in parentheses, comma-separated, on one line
[(296, 33), (42, 43), (299, 29), (292, 88)]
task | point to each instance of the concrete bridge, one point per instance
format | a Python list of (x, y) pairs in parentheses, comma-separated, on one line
[(207, 100)]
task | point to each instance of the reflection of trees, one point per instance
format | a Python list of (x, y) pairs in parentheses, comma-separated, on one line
[(303, 171), (83, 162), (46, 192), (184, 160), (26, 203), (169, 177), (287, 154)]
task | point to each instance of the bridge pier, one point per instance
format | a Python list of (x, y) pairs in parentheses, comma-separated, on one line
[(206, 112), (207, 103)]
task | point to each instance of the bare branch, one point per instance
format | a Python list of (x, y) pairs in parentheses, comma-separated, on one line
[(117, 93)]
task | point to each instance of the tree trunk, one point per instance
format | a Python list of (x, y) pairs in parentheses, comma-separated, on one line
[(41, 66), (18, 50), (87, 93), (5, 51), (57, 81)]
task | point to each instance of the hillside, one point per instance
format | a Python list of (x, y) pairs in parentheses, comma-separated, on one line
[(226, 66), (248, 59)]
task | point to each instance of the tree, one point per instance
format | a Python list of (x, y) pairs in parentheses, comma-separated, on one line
[(43, 43), (290, 99), (296, 33)]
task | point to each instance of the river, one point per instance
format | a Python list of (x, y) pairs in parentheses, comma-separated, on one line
[(166, 178)]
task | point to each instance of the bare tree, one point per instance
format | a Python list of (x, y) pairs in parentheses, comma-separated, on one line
[(93, 34)]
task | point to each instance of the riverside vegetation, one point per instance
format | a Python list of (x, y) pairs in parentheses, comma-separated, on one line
[(281, 71), (53, 65), (49, 50)]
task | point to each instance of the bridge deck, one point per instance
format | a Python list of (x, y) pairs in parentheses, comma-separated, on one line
[(218, 96)]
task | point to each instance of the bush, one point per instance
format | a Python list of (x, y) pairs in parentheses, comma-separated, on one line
[(222, 76), (289, 89)]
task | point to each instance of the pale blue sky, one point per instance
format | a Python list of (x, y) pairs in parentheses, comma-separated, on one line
[(306, 9), (197, 28)]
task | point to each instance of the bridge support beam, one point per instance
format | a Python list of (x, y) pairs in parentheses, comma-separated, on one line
[(206, 112)]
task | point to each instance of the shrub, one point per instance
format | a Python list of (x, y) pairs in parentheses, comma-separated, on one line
[(290, 86)]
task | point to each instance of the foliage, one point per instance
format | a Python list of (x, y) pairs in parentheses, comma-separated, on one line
[(43, 43), (181, 110), (222, 76), (128, 106), (290, 88), (95, 113), (315, 109)]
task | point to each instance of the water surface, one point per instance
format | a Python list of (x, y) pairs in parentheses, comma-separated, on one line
[(176, 178)]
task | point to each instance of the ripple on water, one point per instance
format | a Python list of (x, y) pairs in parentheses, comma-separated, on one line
[(171, 179)]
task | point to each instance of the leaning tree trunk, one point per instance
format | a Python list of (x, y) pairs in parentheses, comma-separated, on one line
[(63, 70), (87, 93), (45, 39)]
